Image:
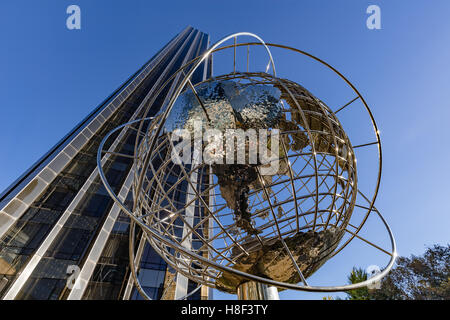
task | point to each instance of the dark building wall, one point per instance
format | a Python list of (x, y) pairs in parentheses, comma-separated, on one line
[(56, 214)]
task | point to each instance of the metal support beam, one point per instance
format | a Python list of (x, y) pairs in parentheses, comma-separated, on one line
[(252, 290)]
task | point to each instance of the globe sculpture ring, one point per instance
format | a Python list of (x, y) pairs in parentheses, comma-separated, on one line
[(247, 176)]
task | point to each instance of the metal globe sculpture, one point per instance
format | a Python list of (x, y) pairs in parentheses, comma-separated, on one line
[(245, 177)]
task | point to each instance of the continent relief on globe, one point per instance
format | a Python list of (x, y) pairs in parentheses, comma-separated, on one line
[(233, 105)]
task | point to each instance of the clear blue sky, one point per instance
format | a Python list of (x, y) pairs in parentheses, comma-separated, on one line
[(50, 78)]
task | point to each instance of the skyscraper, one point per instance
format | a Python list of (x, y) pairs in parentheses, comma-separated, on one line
[(58, 215)]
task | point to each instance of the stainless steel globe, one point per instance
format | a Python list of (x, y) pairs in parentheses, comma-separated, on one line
[(274, 215), (271, 225)]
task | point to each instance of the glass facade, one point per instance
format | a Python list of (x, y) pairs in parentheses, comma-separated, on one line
[(66, 223)]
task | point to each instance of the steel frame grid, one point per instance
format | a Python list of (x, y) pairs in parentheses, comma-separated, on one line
[(159, 241)]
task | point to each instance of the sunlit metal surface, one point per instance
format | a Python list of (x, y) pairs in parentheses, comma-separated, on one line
[(296, 217), (226, 102), (252, 290)]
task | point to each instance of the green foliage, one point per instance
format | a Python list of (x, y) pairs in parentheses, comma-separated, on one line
[(425, 277), (358, 275)]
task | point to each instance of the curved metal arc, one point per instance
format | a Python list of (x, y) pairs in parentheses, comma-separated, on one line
[(100, 168), (367, 109), (120, 204), (224, 268), (379, 174), (132, 258), (126, 210), (380, 158), (184, 82), (261, 181), (358, 229), (247, 276), (313, 146)]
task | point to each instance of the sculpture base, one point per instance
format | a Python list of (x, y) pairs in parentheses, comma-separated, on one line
[(252, 290)]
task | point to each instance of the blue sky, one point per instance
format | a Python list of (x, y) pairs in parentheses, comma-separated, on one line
[(51, 77)]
